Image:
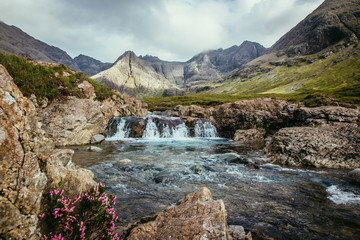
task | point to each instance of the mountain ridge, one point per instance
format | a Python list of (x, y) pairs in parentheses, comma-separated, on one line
[(182, 77)]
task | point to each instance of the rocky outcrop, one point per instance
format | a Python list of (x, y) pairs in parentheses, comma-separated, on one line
[(72, 121), (354, 176), (263, 113), (23, 149), (197, 216), (27, 162), (333, 146), (61, 168), (249, 135)]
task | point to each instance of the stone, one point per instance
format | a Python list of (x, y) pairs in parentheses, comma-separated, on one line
[(166, 176), (21, 175), (87, 89), (331, 145), (238, 233), (98, 138), (94, 149), (354, 176), (197, 216), (74, 180), (234, 158), (249, 135), (72, 121), (124, 162)]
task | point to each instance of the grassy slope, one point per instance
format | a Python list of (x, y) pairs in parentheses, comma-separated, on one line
[(335, 74), (50, 81)]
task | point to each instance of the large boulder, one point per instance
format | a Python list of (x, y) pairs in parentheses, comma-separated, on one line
[(334, 146), (197, 216), (266, 113), (72, 121), (61, 168), (23, 148)]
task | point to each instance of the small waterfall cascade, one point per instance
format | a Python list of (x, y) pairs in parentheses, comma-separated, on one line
[(157, 127), (205, 128)]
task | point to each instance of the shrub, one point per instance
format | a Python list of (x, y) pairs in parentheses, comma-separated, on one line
[(89, 216)]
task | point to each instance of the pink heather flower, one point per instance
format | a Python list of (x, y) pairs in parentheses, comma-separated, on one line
[(41, 215)]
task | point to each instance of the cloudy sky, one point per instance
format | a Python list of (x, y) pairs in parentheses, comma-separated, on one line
[(170, 29)]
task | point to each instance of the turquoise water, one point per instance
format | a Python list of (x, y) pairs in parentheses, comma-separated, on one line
[(273, 201)]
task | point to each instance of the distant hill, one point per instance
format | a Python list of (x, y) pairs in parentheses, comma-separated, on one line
[(177, 78), (319, 55), (14, 41)]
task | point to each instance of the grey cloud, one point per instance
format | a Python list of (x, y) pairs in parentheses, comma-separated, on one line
[(170, 29)]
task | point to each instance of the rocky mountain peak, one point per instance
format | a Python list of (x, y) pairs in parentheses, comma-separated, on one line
[(331, 23)]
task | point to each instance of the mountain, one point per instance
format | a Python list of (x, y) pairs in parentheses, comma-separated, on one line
[(14, 41), (321, 54), (89, 65), (129, 74), (177, 78)]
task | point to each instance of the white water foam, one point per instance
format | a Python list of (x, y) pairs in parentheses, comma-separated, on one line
[(339, 196)]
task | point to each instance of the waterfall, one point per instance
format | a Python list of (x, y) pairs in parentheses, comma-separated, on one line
[(205, 128), (157, 127)]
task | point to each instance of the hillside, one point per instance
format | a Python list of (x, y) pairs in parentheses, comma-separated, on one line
[(150, 76), (319, 55), (14, 41)]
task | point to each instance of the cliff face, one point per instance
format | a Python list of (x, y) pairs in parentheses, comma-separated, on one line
[(29, 164), (23, 151)]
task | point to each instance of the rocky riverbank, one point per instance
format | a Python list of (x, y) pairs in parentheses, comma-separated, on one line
[(296, 135)]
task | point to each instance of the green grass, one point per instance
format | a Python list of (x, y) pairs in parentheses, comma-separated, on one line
[(48, 81)]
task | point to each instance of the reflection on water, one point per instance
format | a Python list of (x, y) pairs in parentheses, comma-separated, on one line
[(282, 203)]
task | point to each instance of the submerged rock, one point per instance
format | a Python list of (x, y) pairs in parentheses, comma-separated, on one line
[(235, 158), (197, 216), (166, 176), (354, 176)]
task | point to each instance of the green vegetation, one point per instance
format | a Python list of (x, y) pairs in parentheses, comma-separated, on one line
[(48, 80)]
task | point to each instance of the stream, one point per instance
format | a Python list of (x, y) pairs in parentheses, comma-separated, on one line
[(150, 173)]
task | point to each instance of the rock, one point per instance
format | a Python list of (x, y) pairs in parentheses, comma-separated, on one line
[(257, 113), (87, 89), (238, 233), (332, 146), (197, 169), (166, 176), (23, 151), (326, 115), (354, 175), (271, 166), (123, 106), (197, 216), (29, 166), (124, 162), (249, 135), (235, 158), (74, 180), (98, 138), (94, 149), (72, 121)]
